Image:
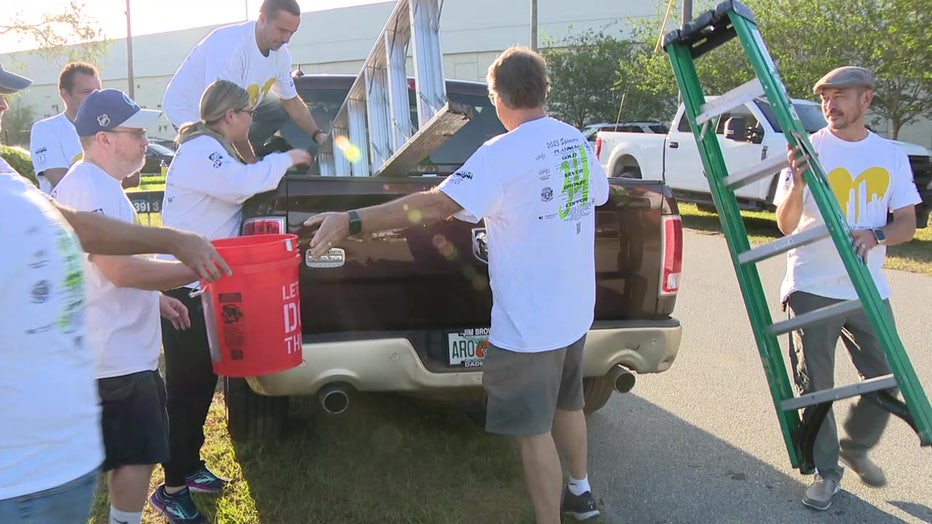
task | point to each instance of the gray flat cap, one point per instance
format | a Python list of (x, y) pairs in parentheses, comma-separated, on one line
[(847, 76), (11, 83)]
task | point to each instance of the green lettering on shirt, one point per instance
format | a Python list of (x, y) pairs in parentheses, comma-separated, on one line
[(575, 182)]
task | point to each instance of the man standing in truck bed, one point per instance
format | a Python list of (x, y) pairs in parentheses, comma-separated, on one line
[(536, 187), (254, 56)]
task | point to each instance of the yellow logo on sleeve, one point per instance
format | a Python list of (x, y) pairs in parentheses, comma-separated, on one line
[(847, 188)]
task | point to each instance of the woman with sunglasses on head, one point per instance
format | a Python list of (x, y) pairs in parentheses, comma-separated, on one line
[(205, 187)]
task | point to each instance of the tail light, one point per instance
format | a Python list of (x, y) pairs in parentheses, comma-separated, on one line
[(264, 226), (672, 254), (598, 147)]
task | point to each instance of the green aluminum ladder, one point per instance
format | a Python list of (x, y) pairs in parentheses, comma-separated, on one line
[(685, 45)]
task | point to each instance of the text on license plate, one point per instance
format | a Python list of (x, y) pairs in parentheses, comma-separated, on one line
[(467, 347)]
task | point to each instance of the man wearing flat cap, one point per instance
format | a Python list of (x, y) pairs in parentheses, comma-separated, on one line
[(870, 177)]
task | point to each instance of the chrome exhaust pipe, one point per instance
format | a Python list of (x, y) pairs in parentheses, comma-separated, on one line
[(621, 378), (334, 398)]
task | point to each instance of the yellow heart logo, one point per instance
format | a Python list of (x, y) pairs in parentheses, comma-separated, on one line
[(256, 93), (847, 188)]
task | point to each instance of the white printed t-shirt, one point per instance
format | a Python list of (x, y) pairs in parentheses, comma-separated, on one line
[(228, 53), (53, 143), (123, 325), (870, 178), (536, 187), (50, 410), (205, 188)]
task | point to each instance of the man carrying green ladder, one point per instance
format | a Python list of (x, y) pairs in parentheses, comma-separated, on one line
[(835, 221), (869, 176)]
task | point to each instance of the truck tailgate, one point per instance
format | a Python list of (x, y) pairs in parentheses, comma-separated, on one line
[(436, 277)]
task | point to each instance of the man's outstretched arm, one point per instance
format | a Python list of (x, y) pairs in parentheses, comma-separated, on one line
[(101, 235)]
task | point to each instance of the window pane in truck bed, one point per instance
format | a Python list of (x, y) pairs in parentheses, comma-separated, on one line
[(325, 103)]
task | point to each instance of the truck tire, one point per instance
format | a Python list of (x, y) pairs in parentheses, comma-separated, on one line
[(596, 392), (252, 417)]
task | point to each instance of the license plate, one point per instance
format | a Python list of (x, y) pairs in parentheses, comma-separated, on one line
[(467, 347)]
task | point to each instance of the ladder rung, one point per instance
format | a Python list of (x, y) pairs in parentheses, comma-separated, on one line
[(756, 172), (784, 244), (730, 100), (851, 390), (450, 119), (812, 317)]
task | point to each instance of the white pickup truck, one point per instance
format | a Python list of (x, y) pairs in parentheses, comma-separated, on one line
[(747, 134)]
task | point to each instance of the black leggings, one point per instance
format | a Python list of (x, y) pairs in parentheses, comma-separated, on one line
[(190, 383)]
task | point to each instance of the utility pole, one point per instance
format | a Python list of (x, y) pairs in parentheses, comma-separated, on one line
[(534, 25), (129, 55)]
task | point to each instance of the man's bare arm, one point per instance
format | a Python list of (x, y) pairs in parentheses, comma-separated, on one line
[(54, 175), (106, 236), (425, 207), (301, 116)]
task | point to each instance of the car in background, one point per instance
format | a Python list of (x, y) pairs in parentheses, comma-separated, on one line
[(156, 154), (592, 130)]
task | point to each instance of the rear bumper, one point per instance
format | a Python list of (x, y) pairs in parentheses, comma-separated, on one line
[(394, 364)]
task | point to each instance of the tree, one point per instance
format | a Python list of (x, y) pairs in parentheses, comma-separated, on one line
[(69, 34), (808, 39), (582, 76)]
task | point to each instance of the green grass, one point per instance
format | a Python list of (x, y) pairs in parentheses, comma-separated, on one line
[(914, 256), (150, 183), (388, 459)]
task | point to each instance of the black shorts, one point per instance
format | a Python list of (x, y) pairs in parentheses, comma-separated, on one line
[(134, 421), (525, 389)]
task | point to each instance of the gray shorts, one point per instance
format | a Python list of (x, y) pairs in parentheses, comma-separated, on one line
[(525, 389)]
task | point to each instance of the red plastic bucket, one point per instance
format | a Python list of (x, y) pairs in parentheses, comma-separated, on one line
[(254, 316)]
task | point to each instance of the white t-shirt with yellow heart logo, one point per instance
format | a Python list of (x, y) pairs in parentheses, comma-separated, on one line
[(870, 178)]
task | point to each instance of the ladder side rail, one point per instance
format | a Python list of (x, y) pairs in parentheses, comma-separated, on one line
[(358, 132), (378, 115), (877, 312), (398, 99), (428, 59), (737, 240)]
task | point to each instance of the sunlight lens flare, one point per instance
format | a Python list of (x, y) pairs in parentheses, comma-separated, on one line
[(350, 150)]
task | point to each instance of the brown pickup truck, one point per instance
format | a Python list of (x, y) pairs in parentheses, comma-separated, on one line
[(408, 310)]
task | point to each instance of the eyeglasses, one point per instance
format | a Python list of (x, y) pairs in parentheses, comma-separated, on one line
[(250, 112), (138, 134)]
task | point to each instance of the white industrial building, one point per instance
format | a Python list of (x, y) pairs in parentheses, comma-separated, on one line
[(473, 32)]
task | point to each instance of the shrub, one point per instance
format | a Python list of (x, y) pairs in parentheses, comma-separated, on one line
[(20, 160)]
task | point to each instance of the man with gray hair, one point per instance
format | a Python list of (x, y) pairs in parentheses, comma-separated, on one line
[(870, 177), (542, 306)]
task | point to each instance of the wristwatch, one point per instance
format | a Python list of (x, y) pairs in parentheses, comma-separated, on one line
[(355, 223), (880, 236)]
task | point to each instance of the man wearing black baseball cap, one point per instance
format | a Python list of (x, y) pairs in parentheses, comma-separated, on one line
[(123, 302), (870, 178)]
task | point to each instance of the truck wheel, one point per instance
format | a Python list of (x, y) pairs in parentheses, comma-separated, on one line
[(596, 392), (252, 417)]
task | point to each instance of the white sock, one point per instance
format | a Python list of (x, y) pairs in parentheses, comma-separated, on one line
[(124, 517), (578, 487)]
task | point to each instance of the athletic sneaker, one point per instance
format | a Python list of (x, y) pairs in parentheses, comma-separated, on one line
[(178, 508), (819, 495), (205, 481), (579, 507)]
